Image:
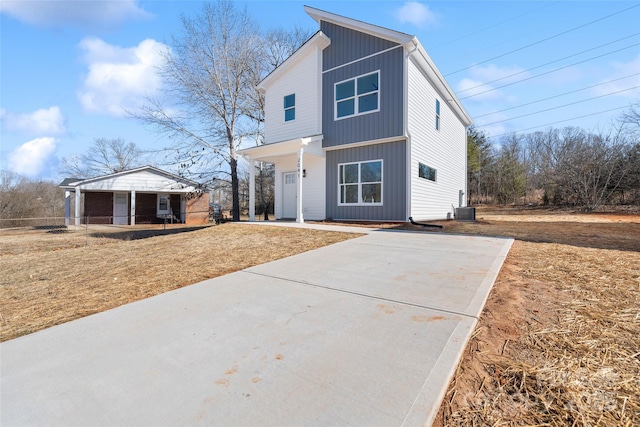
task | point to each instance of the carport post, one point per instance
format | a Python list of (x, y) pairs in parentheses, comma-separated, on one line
[(67, 206), (252, 189), (77, 213), (133, 207)]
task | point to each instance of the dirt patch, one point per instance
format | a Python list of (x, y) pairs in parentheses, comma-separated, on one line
[(51, 279), (558, 342)]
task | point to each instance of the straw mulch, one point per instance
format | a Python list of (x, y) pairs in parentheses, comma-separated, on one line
[(43, 285), (559, 340)]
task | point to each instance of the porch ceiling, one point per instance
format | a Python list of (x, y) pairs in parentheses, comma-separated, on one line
[(271, 152)]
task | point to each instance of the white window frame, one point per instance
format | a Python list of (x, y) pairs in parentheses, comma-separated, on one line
[(293, 107), (355, 97), (381, 182), (437, 114), (163, 211)]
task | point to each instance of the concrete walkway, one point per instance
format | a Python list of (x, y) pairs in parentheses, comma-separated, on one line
[(364, 332)]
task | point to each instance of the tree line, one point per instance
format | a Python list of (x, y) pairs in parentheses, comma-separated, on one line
[(560, 167)]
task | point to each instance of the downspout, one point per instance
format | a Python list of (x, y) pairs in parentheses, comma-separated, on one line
[(407, 133)]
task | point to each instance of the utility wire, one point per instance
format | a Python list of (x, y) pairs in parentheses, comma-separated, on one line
[(560, 121), (561, 106), (555, 96), (547, 63), (543, 40), (550, 71), (494, 25)]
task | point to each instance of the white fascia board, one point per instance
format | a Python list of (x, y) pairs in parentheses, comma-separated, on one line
[(310, 144), (318, 41), (363, 27), (426, 64), (166, 174)]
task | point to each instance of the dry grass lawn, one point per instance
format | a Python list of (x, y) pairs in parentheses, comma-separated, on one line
[(52, 278), (558, 342)]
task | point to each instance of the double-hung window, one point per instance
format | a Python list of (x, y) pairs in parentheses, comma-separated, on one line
[(356, 96), (437, 114), (290, 107), (360, 183)]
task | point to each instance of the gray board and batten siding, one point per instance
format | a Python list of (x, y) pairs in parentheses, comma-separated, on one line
[(394, 182), (347, 46)]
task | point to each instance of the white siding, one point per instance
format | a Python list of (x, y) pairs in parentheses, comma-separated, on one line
[(444, 150), (303, 80), (313, 186), (146, 181)]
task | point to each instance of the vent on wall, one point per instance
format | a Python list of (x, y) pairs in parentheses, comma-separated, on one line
[(466, 214)]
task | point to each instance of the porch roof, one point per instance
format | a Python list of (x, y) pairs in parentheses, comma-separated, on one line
[(270, 152)]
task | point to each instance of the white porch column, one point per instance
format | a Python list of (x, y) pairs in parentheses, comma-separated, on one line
[(67, 206), (299, 217), (252, 189), (77, 213), (133, 207)]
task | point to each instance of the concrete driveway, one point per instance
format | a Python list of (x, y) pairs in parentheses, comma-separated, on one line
[(366, 332)]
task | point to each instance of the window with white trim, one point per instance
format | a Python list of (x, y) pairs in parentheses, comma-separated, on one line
[(290, 107), (163, 204), (426, 172), (437, 114), (357, 96), (360, 183)]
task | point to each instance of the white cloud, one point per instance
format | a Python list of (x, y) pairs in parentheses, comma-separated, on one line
[(620, 70), (483, 82), (30, 158), (40, 122), (416, 13), (119, 78), (80, 13)]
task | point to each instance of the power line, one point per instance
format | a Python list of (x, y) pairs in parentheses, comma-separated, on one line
[(550, 71), (556, 96), (543, 40), (560, 121), (494, 25), (561, 106), (547, 63)]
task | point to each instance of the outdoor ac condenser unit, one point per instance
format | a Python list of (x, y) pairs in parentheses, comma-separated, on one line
[(465, 214)]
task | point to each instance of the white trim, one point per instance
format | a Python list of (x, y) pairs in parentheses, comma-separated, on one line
[(363, 27), (318, 40), (356, 96), (360, 183), (163, 211), (365, 143), (361, 59)]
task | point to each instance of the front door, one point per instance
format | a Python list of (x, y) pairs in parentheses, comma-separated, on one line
[(120, 209), (289, 207)]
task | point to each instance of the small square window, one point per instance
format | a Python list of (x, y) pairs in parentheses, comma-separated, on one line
[(358, 95)]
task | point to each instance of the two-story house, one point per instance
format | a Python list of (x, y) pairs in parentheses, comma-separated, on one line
[(361, 125)]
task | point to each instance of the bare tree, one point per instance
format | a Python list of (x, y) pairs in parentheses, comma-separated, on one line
[(103, 157), (206, 74)]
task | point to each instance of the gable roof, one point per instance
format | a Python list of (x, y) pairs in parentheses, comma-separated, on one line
[(75, 182), (318, 40)]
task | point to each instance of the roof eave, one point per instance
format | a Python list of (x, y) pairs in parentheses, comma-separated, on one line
[(364, 27)]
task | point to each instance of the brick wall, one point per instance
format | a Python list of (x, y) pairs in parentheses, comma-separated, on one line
[(197, 209), (98, 207)]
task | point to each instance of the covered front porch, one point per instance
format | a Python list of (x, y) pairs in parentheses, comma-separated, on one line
[(299, 177)]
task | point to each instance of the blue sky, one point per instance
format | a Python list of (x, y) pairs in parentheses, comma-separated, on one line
[(70, 69)]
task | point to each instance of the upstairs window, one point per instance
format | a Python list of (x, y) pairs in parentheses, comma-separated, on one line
[(360, 183), (426, 172), (290, 107), (437, 114), (356, 96)]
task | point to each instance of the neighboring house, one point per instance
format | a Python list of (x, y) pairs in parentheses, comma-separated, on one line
[(362, 126), (138, 196)]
